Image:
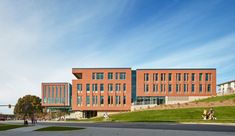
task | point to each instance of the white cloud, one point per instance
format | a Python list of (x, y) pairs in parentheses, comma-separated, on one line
[(30, 52)]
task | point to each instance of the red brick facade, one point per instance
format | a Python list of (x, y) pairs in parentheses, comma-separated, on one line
[(187, 85), (93, 84)]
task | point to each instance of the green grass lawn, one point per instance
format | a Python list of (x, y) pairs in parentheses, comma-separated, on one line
[(9, 126), (218, 98), (58, 128), (223, 115)]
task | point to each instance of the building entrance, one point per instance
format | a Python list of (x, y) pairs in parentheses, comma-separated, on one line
[(89, 114), (144, 100)]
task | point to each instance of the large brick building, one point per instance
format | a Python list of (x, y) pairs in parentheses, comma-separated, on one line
[(156, 86), (99, 90)]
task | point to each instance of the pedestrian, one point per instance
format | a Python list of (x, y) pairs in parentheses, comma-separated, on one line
[(211, 114), (204, 114), (32, 120), (35, 120)]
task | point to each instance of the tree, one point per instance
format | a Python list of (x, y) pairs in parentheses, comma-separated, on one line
[(28, 105)]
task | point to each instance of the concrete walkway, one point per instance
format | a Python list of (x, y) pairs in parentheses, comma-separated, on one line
[(23, 131), (27, 129)]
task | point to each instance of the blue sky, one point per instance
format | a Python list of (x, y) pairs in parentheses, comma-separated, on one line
[(40, 41)]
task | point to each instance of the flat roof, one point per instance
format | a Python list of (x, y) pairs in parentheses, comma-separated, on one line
[(179, 69), (75, 74), (102, 68), (226, 82), (150, 68), (55, 83)]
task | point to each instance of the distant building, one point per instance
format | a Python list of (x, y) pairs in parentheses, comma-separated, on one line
[(56, 96), (226, 88)]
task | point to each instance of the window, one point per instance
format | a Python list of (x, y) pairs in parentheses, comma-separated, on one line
[(122, 76), (79, 87), (178, 76), (49, 92), (169, 76), (93, 75), (155, 77), (52, 88), (64, 92), (110, 76), (177, 87), (117, 88), (78, 75), (124, 99), (94, 100), (200, 88), (163, 76), (56, 91), (118, 100), (146, 77), (146, 88), (44, 91), (87, 87), (101, 87), (169, 88), (207, 76), (101, 100), (99, 76), (79, 100), (200, 76), (110, 99), (155, 87), (185, 76), (208, 87), (110, 87), (94, 87), (162, 87), (88, 100), (193, 76), (185, 88), (116, 75), (193, 88), (124, 87), (60, 91)]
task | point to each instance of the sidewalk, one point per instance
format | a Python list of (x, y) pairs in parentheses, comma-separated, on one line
[(23, 131), (26, 129), (209, 123)]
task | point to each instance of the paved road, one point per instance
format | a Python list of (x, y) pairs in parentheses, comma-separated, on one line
[(101, 131), (124, 129), (162, 126)]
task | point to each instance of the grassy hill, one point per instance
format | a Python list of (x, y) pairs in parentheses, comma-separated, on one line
[(218, 98), (189, 112), (223, 114)]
